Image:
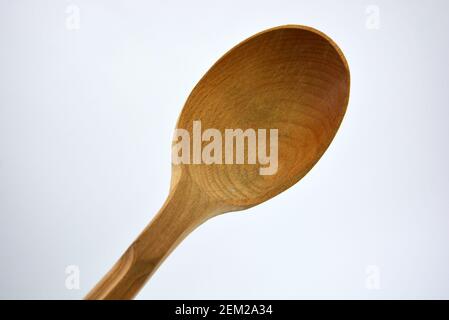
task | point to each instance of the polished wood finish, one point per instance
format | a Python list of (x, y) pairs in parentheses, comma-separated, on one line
[(292, 78)]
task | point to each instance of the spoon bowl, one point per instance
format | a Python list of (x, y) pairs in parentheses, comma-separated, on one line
[(293, 79)]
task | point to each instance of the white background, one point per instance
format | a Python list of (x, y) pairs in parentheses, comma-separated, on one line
[(86, 119)]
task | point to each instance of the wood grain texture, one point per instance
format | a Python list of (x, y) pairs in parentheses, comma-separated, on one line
[(291, 78)]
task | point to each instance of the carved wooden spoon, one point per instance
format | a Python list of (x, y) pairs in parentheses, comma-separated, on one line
[(291, 78)]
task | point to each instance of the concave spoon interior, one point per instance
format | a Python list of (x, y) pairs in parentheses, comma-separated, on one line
[(291, 78)]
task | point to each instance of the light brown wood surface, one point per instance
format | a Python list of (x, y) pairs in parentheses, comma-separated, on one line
[(292, 78)]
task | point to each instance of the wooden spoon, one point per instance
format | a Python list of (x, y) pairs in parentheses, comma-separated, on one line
[(292, 78)]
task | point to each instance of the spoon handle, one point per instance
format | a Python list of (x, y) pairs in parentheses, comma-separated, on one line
[(182, 212)]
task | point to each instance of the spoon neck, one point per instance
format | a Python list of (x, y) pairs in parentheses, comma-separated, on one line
[(184, 210)]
